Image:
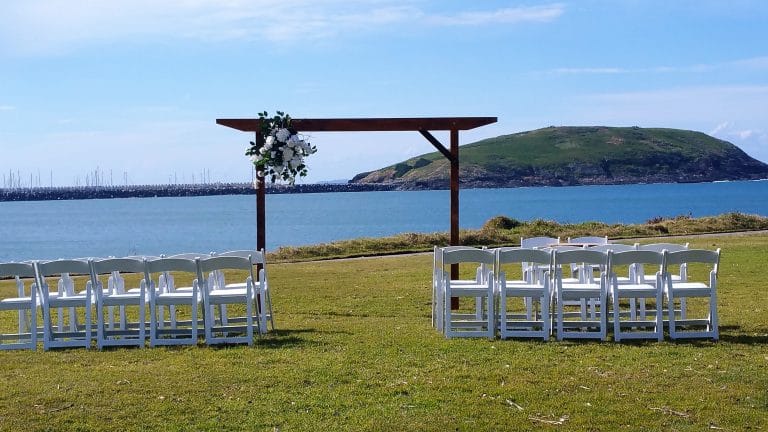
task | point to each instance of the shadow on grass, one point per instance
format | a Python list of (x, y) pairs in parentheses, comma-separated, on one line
[(289, 338)]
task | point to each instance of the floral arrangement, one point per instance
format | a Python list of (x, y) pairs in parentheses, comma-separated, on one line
[(283, 152)]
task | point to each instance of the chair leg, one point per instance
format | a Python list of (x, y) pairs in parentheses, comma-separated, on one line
[(713, 318), (152, 324), (671, 310), (142, 323), (100, 333), (616, 317), (659, 317), (546, 320), (249, 320)]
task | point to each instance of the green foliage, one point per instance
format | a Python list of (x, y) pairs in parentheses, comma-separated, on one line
[(502, 230), (501, 222)]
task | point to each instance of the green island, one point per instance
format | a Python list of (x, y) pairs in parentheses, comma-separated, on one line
[(578, 155), (354, 350)]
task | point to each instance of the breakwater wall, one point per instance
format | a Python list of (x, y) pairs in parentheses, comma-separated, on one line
[(174, 190)]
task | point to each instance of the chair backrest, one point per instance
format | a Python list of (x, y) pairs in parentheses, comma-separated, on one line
[(594, 240), (580, 256), (224, 263), (615, 247), (20, 271), (170, 264), (256, 256), (24, 270), (189, 255), (538, 242), (669, 247), (215, 265), (63, 266), (694, 256), (124, 265), (638, 257), (63, 269), (520, 255), (480, 256)]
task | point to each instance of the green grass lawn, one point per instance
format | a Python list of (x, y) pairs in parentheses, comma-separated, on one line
[(354, 350)]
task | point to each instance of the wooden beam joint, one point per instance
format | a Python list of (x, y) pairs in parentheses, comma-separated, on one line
[(437, 144)]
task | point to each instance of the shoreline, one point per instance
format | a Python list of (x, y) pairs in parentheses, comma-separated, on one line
[(175, 190), (58, 193)]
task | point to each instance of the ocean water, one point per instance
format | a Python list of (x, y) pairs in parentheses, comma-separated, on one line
[(79, 228)]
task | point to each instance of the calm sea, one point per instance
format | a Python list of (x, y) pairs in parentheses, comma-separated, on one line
[(151, 226)]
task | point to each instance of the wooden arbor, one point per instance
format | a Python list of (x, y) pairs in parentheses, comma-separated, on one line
[(421, 125)]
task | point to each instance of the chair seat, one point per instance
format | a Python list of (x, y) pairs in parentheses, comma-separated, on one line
[(469, 290), (635, 290), (121, 299), (174, 297), (13, 302), (64, 301), (580, 290), (690, 289), (228, 295), (523, 289)]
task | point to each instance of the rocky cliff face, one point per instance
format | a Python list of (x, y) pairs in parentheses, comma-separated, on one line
[(569, 156)]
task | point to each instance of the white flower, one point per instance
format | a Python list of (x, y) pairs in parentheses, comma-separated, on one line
[(282, 135), (287, 154), (269, 141), (295, 141), (263, 150), (295, 163), (272, 155)]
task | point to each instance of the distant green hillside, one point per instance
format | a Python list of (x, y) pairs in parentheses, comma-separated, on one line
[(579, 155)]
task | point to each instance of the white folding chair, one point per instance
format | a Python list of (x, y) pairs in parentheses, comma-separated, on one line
[(228, 330), (176, 332), (637, 327), (67, 296), (117, 295), (167, 283), (438, 276), (537, 243), (593, 292), (631, 270), (682, 270), (464, 324), (528, 322), (688, 327), (263, 294), (588, 240), (25, 303)]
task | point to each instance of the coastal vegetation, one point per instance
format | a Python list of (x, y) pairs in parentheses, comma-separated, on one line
[(566, 156), (505, 231), (354, 350)]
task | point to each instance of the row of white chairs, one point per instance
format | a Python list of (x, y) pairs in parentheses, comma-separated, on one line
[(65, 291), (571, 288)]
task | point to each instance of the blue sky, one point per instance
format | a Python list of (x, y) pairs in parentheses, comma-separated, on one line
[(135, 86)]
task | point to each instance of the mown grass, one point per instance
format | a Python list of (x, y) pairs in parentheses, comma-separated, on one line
[(355, 350), (502, 230)]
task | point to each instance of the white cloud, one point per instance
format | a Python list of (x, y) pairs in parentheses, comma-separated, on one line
[(594, 70), (54, 26), (502, 16), (754, 64)]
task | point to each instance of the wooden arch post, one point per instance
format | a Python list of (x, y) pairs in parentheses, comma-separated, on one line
[(422, 125)]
